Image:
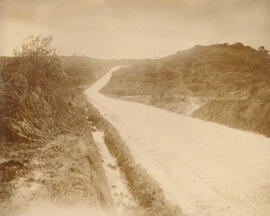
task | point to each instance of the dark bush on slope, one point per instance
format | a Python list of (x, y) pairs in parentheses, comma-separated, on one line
[(39, 93)]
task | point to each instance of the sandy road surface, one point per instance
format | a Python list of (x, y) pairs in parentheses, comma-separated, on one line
[(206, 168)]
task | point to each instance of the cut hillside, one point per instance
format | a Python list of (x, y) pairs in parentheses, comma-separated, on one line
[(47, 151), (228, 84)]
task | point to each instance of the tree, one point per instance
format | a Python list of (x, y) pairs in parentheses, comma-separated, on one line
[(37, 61), (33, 91)]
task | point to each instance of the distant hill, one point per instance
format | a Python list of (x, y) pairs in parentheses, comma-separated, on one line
[(82, 70), (86, 70), (228, 84)]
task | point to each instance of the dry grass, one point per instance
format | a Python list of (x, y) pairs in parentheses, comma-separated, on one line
[(44, 134), (67, 171)]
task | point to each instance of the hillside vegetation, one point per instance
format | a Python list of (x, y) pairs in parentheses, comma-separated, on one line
[(39, 90), (228, 84), (47, 151)]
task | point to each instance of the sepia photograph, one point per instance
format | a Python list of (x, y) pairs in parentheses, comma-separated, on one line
[(134, 107)]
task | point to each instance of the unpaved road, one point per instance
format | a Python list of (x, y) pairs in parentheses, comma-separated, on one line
[(206, 168)]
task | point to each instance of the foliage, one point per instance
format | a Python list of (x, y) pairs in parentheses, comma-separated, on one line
[(211, 71), (37, 63), (37, 98), (44, 129)]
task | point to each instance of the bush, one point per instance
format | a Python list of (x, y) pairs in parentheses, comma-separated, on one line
[(37, 99)]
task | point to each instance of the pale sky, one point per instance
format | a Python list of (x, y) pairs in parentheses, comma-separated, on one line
[(134, 28)]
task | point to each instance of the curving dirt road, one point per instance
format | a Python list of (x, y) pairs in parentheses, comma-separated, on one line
[(206, 168)]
